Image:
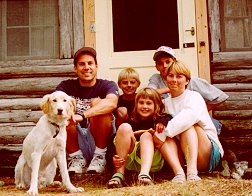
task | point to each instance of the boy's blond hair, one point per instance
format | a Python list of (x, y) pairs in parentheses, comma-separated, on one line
[(128, 73)]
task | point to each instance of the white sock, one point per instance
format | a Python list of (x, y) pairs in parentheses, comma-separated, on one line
[(100, 151), (78, 152)]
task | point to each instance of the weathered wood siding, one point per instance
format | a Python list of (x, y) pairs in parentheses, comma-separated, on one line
[(235, 78), (22, 85)]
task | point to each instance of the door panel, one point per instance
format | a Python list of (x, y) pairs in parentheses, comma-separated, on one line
[(139, 56)]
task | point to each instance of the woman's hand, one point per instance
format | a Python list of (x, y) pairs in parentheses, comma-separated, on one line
[(160, 127), (158, 143), (118, 162)]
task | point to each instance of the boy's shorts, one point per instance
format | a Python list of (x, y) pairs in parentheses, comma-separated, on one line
[(133, 161), (86, 140), (215, 156)]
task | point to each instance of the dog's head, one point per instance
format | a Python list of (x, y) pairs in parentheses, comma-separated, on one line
[(58, 105)]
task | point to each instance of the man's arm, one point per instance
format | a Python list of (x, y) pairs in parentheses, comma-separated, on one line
[(163, 90), (102, 106), (211, 94), (158, 84)]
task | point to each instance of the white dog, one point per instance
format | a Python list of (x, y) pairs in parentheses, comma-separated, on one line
[(44, 147)]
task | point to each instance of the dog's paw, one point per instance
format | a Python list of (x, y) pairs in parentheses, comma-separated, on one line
[(75, 189), (80, 189), (21, 186), (32, 192)]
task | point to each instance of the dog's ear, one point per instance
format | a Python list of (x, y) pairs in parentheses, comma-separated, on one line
[(71, 109), (44, 105), (73, 103)]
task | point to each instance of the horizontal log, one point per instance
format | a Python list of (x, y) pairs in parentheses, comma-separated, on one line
[(20, 96), (20, 104), (45, 62), (16, 129), (233, 114), (13, 116), (245, 63), (239, 96), (237, 126), (235, 105), (6, 149), (37, 71), (242, 142), (236, 87), (29, 86), (6, 140), (232, 76)]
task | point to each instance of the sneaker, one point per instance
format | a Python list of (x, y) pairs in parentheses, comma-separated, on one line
[(77, 164), (97, 164)]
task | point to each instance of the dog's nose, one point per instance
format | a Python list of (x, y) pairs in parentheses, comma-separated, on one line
[(60, 111)]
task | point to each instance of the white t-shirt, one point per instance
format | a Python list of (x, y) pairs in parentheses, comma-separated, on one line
[(188, 109)]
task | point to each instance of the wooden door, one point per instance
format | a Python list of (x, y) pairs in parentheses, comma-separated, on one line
[(133, 43)]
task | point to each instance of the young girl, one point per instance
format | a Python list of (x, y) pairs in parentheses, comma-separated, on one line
[(191, 131), (134, 139)]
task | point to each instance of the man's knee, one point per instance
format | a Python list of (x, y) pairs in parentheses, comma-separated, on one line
[(104, 120), (102, 117)]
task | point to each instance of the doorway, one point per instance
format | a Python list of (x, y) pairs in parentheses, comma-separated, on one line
[(128, 32)]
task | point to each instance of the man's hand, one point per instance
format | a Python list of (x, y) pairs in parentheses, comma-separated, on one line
[(118, 162), (75, 119)]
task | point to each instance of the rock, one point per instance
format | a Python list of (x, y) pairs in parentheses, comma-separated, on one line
[(2, 183)]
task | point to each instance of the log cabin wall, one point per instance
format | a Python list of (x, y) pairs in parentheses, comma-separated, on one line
[(231, 70), (235, 78), (23, 84)]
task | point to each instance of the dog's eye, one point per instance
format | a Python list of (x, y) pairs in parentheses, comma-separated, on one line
[(54, 100), (64, 100)]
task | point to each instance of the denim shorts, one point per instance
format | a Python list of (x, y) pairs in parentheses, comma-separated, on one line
[(86, 140), (215, 156), (217, 125)]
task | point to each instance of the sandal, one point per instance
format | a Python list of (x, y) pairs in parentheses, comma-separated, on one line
[(145, 179), (118, 178), (179, 178), (193, 178)]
